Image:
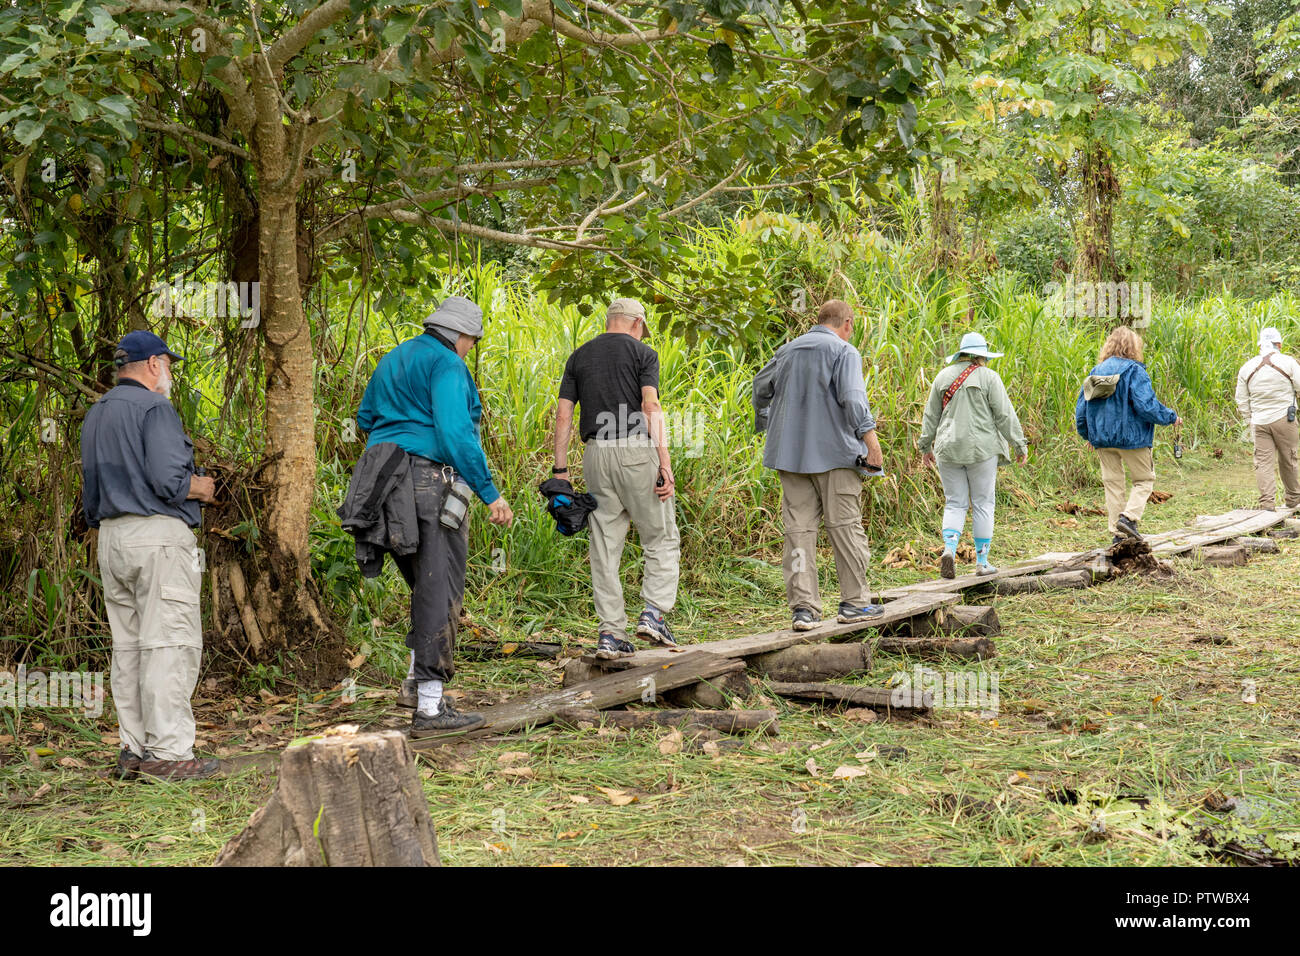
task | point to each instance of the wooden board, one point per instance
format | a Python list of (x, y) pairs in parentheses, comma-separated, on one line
[(1252, 523), (906, 607), (605, 691)]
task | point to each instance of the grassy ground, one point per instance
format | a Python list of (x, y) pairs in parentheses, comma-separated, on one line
[(1121, 738)]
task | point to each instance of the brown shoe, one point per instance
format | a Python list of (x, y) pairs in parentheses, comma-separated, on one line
[(196, 769), (128, 764), (409, 694)]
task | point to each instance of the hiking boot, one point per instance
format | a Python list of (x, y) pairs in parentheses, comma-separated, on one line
[(948, 565), (610, 648), (128, 764), (1128, 526), (408, 695), (1117, 539), (805, 619), (655, 629), (196, 769), (985, 568), (447, 720), (852, 615)]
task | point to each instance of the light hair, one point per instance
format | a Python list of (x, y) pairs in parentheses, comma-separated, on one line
[(1123, 342), (834, 312)]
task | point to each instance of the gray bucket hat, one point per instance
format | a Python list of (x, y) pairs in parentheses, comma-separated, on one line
[(972, 343), (456, 315)]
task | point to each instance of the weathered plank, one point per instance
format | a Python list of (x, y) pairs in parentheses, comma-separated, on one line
[(1253, 522), (905, 607), (724, 721), (896, 698), (606, 691)]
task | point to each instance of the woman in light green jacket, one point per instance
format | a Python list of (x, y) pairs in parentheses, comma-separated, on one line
[(969, 429)]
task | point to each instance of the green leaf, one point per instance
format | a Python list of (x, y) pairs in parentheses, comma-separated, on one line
[(722, 60)]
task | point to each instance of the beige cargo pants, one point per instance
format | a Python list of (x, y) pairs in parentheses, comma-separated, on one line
[(621, 473), (150, 567), (835, 498), (1277, 447), (1119, 499)]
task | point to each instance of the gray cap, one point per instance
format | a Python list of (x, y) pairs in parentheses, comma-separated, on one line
[(456, 315), (628, 307)]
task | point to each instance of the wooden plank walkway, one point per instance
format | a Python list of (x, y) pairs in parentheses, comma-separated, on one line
[(911, 605)]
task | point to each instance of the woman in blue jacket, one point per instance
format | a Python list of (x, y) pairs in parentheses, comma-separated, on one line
[(1116, 414)]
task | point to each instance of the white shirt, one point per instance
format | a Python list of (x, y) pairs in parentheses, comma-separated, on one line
[(1271, 391)]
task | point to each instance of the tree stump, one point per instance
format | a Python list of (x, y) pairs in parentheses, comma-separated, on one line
[(1228, 556), (343, 799)]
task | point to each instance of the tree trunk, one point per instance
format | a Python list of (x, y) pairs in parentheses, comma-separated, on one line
[(813, 662), (342, 800), (1094, 254)]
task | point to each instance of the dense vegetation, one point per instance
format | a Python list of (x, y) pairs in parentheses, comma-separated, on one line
[(941, 175)]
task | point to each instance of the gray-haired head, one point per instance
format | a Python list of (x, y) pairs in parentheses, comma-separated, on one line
[(456, 315)]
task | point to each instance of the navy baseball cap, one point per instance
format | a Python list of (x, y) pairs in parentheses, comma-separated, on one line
[(140, 345)]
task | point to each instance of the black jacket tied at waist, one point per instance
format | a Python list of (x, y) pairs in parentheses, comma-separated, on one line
[(379, 510)]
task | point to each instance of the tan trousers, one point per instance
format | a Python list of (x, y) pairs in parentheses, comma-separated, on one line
[(1141, 471), (622, 474), (1276, 447), (834, 497), (151, 573)]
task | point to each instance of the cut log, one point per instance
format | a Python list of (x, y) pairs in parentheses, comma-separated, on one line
[(813, 662), (1257, 545), (724, 721), (1227, 556), (1283, 534), (343, 799), (1044, 582), (980, 648), (966, 620), (712, 694), (897, 698), (637, 683)]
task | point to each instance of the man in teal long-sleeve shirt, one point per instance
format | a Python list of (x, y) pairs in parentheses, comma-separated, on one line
[(422, 398)]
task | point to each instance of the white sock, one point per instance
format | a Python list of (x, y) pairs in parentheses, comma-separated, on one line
[(430, 697), (410, 670)]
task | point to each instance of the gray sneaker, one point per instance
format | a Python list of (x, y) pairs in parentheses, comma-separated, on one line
[(805, 619), (448, 720)]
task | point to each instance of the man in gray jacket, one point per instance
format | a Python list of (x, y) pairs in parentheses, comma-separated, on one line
[(811, 399), (142, 493)]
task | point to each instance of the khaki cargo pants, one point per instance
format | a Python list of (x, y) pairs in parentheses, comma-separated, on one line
[(151, 573), (1142, 471), (835, 498), (621, 473), (1276, 447)]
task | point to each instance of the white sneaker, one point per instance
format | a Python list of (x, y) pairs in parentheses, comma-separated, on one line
[(985, 569)]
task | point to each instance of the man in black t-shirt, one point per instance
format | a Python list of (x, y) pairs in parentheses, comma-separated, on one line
[(614, 379)]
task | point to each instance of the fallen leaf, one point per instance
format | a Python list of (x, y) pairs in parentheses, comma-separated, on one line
[(710, 747), (41, 791), (846, 772), (862, 715), (812, 768), (618, 798), (72, 762), (568, 834), (576, 798), (671, 743), (526, 773), (512, 757)]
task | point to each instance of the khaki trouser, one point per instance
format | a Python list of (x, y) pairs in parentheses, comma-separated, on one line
[(622, 474), (1142, 472), (834, 497), (1276, 446), (150, 570)]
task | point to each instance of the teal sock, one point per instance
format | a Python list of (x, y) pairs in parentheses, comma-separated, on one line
[(950, 539), (982, 546)]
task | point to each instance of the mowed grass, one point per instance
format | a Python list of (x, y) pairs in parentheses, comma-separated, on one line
[(1121, 725)]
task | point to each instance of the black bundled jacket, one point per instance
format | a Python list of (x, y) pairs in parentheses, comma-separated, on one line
[(379, 510), (566, 506)]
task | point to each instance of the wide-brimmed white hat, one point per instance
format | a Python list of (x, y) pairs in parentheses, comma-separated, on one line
[(972, 343)]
